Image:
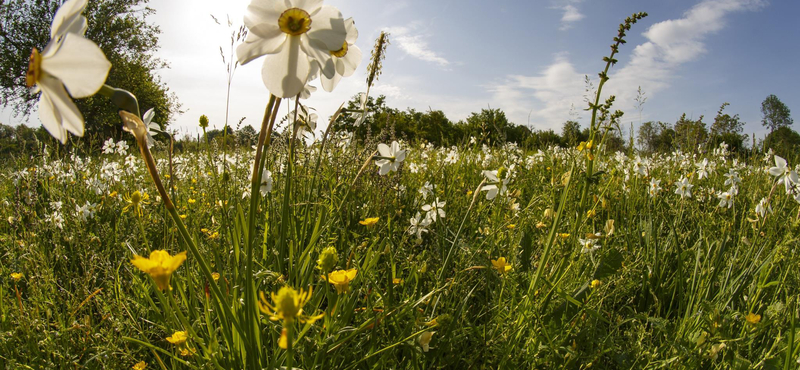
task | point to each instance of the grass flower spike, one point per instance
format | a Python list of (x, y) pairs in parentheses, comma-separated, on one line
[(291, 34), (341, 279), (70, 66), (160, 266)]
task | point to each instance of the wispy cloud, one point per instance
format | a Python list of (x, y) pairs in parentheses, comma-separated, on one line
[(547, 96), (571, 13), (415, 45)]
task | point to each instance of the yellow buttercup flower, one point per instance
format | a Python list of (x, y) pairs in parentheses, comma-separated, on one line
[(141, 365), (215, 276), (563, 236), (178, 338), (287, 305), (511, 226), (753, 318), (596, 283), (369, 221), (540, 225), (501, 265), (591, 213), (160, 266), (17, 276), (341, 279), (397, 281)]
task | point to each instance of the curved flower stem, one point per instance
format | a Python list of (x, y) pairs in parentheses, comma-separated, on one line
[(251, 319), (141, 139), (287, 190)]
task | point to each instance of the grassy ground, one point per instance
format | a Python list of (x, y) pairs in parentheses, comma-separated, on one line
[(666, 281)]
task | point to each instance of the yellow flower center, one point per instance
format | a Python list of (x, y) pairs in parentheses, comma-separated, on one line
[(34, 68), (287, 302), (341, 52), (136, 197), (295, 22)]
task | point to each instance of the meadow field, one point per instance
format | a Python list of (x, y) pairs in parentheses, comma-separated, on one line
[(361, 248), (637, 277)]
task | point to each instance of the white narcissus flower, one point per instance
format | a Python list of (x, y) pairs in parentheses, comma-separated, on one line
[(392, 157), (305, 122), (345, 60), (725, 200), (588, 245), (684, 188), (266, 183), (291, 33), (153, 128), (493, 189), (763, 207), (435, 210), (655, 187), (69, 65)]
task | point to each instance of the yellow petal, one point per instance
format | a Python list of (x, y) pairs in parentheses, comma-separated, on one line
[(284, 341), (142, 263)]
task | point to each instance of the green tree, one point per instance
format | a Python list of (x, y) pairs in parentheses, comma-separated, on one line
[(646, 136), (785, 142), (690, 133), (727, 129), (119, 27), (775, 113), (571, 133)]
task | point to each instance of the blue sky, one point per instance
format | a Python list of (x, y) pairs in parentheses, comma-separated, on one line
[(528, 58)]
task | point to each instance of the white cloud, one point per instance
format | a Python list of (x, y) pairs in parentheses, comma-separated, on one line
[(548, 96), (415, 45), (571, 12)]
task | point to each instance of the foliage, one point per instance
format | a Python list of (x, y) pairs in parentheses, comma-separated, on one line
[(775, 114), (119, 27)]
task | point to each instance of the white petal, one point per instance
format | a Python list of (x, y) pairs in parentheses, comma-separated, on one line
[(68, 19), (330, 83), (59, 110), (148, 117), (350, 61), (384, 150), (318, 51), (352, 32), (261, 13), (80, 64), (307, 5), (400, 156), (780, 162), (328, 27), (286, 72), (384, 169), (255, 47)]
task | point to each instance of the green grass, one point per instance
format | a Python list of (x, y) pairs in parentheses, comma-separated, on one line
[(677, 277)]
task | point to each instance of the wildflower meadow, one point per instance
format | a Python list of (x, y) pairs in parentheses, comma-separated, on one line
[(348, 248)]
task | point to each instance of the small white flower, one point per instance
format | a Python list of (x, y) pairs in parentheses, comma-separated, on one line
[(684, 188), (109, 147), (655, 187), (763, 207), (266, 182), (588, 245), (391, 157), (435, 210), (725, 200)]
